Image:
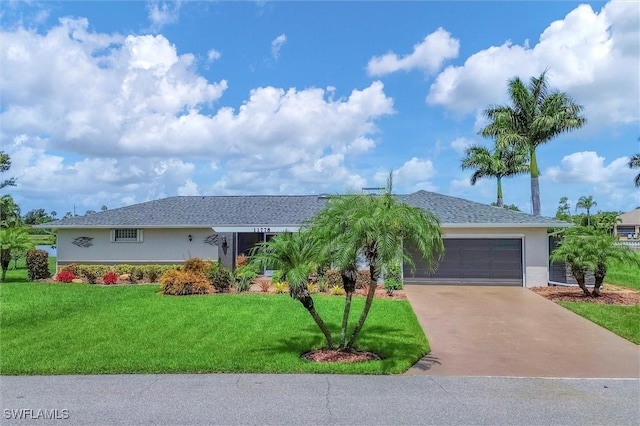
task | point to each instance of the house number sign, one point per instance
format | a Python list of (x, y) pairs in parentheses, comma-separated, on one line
[(261, 229)]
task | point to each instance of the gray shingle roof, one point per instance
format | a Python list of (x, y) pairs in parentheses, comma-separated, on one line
[(274, 210)]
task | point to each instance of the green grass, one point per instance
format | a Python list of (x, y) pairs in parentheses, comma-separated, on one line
[(622, 320), (624, 275), (83, 329), (43, 239)]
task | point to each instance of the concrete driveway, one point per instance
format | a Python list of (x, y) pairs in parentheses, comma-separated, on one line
[(513, 332)]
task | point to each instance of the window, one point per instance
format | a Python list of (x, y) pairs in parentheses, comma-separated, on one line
[(126, 235)]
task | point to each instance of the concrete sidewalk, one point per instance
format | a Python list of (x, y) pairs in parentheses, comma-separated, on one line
[(513, 332)]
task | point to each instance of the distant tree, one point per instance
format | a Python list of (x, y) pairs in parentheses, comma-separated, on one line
[(53, 214), (536, 116), (36, 217), (586, 203), (104, 208), (498, 163), (67, 215), (5, 165), (9, 212), (508, 207), (88, 212), (564, 210), (605, 221), (634, 163)]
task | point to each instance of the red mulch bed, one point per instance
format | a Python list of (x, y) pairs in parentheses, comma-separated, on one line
[(333, 355), (609, 295)]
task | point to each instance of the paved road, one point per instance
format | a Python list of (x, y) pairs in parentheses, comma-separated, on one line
[(319, 400)]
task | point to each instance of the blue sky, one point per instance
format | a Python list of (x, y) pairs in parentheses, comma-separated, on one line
[(114, 103)]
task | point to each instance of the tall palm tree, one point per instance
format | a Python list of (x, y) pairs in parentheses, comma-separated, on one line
[(294, 254), (586, 203), (499, 163), (634, 163), (378, 227), (536, 115)]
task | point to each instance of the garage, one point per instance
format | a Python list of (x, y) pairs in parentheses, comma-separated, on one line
[(472, 261)]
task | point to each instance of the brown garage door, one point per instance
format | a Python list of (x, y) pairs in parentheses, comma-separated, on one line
[(468, 261)]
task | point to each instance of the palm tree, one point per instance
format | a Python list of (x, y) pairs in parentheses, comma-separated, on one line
[(634, 163), (586, 203), (295, 255), (12, 239), (586, 249), (536, 116), (378, 227), (499, 163)]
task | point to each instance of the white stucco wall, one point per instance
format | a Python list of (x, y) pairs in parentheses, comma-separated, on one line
[(158, 245), (536, 248)]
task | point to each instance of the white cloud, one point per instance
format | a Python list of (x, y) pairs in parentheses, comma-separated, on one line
[(119, 111), (414, 175), (615, 180), (189, 188), (161, 13), (276, 45), (213, 55), (428, 56), (459, 145), (593, 56)]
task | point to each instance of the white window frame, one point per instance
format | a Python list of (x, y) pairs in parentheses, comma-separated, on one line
[(136, 239)]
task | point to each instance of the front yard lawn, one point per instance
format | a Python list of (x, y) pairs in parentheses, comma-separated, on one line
[(83, 329), (622, 320), (624, 275)]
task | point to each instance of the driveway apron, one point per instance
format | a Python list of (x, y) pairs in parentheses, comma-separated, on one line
[(513, 332)]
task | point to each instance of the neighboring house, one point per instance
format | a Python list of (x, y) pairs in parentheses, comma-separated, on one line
[(484, 244), (628, 227)]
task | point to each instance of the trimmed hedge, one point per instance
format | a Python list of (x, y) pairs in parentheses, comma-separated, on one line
[(37, 264), (180, 283)]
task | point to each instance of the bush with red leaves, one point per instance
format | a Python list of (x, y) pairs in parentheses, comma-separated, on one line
[(65, 276), (110, 278)]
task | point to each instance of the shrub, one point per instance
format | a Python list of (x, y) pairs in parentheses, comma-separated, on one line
[(37, 264), (153, 272), (179, 283), (65, 276), (196, 265), (72, 267), (322, 284), (333, 278), (312, 288), (241, 260), (277, 277), (392, 284), (123, 269), (220, 277), (137, 274), (363, 278), (264, 284), (336, 290), (92, 272), (110, 278), (244, 276), (393, 271), (280, 287)]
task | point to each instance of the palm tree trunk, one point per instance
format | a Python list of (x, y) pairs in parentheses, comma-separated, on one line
[(600, 272), (349, 276), (578, 274), (500, 200), (535, 184), (373, 284), (306, 300), (345, 319)]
